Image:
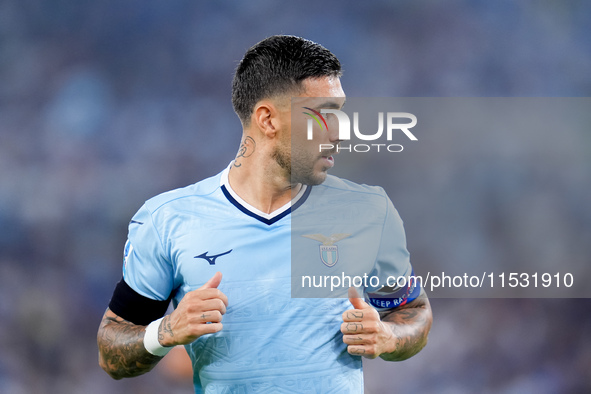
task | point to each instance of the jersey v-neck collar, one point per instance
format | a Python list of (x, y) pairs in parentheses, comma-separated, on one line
[(267, 218)]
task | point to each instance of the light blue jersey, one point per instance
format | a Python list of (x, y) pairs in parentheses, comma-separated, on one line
[(350, 235), (270, 342)]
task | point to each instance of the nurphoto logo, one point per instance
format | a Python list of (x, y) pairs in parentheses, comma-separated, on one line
[(393, 127)]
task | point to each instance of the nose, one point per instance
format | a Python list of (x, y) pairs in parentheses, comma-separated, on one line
[(333, 131), (333, 135)]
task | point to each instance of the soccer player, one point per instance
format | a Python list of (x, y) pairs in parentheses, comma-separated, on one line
[(221, 251)]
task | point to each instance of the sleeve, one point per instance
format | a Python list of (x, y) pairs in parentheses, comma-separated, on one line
[(393, 267), (146, 268)]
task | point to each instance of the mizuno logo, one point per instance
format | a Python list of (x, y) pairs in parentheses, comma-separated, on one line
[(211, 259)]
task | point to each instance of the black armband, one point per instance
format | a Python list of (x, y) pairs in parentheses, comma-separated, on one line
[(134, 307)]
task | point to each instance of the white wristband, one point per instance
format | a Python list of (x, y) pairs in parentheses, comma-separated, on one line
[(151, 342)]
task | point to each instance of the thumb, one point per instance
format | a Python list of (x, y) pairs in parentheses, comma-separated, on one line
[(213, 282), (356, 300)]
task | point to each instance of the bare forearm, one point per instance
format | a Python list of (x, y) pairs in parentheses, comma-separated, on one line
[(410, 328), (121, 348)]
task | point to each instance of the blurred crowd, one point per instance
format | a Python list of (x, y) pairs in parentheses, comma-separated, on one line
[(104, 104)]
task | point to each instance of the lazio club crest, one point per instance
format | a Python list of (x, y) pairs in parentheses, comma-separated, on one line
[(329, 252)]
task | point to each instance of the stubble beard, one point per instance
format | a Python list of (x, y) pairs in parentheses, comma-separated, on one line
[(298, 169)]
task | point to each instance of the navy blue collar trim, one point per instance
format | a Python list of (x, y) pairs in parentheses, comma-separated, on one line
[(274, 219)]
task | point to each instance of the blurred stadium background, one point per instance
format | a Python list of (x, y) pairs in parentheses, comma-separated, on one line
[(104, 104)]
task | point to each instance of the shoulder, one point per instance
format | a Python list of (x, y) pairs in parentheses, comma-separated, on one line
[(170, 211), (335, 183), (337, 194), (172, 198), (342, 187)]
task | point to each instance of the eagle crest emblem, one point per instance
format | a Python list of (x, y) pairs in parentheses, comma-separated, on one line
[(329, 252)]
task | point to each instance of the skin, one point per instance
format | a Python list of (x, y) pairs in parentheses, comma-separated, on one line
[(121, 343), (395, 336), (269, 145), (271, 166), (269, 169)]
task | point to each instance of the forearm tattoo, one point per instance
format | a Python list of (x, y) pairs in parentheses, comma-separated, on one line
[(410, 328), (121, 348)]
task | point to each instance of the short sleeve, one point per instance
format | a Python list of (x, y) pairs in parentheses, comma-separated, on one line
[(393, 267), (146, 268)]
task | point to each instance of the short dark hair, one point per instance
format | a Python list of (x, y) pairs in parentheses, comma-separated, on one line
[(278, 65)]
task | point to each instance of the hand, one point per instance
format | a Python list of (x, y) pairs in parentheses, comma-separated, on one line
[(199, 313), (363, 330)]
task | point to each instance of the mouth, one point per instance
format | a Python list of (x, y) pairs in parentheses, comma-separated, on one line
[(328, 161)]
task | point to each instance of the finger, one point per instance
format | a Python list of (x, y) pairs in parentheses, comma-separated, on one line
[(355, 300), (208, 317), (364, 327), (358, 339), (356, 350), (213, 282), (206, 294), (365, 351), (353, 315), (214, 304), (351, 328), (203, 329)]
